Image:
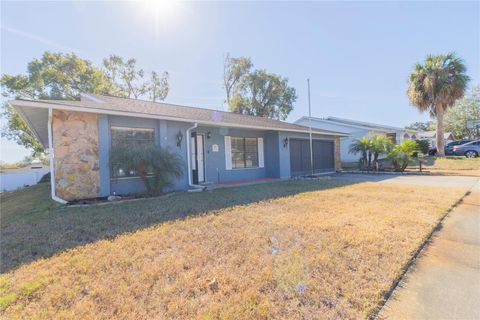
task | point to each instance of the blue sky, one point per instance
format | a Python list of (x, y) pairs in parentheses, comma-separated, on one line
[(357, 54)]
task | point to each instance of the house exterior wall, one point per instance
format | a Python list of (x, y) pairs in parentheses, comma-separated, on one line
[(76, 154), (284, 155), (165, 136), (272, 154), (276, 155), (215, 164)]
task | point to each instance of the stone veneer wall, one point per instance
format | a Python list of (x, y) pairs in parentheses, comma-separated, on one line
[(75, 141), (338, 160)]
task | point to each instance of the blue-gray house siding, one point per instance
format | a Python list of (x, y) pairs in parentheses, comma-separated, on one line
[(276, 154)]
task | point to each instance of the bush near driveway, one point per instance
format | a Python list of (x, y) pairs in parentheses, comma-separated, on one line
[(321, 253)]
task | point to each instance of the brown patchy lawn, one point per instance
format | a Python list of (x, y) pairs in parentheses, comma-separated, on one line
[(328, 251), (454, 166)]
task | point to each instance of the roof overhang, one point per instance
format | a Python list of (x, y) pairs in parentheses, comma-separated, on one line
[(36, 120), (61, 105)]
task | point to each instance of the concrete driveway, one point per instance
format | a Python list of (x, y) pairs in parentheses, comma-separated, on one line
[(444, 282)]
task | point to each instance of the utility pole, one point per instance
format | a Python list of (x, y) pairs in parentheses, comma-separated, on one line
[(310, 128)]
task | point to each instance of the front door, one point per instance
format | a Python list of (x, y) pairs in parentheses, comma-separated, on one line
[(197, 158)]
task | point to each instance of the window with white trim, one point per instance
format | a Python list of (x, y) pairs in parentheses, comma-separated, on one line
[(125, 136), (244, 152)]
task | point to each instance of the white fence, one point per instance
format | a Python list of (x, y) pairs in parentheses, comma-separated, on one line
[(14, 181)]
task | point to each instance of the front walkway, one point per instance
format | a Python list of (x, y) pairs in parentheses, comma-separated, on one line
[(445, 282)]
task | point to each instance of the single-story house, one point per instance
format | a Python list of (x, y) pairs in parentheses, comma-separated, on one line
[(431, 136), (216, 147), (357, 129)]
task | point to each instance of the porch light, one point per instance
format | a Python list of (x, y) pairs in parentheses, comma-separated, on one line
[(285, 142), (209, 135), (179, 138)]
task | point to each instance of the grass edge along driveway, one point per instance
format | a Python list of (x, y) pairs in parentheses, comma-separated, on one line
[(323, 253)]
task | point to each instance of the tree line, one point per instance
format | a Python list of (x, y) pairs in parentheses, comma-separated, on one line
[(63, 76), (436, 86)]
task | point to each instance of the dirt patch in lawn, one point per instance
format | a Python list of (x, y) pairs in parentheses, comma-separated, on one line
[(318, 254)]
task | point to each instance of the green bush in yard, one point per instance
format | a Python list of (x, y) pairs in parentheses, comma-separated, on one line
[(401, 154), (371, 148), (423, 146), (154, 165)]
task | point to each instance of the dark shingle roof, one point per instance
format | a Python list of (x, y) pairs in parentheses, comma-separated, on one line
[(139, 108)]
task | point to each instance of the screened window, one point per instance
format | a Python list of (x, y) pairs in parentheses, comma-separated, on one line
[(126, 136), (244, 152), (123, 137)]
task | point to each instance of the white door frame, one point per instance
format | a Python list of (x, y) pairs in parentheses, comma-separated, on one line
[(201, 172), (196, 164)]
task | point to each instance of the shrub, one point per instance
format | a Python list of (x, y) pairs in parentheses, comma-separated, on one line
[(423, 146), (401, 154), (370, 148), (156, 166)]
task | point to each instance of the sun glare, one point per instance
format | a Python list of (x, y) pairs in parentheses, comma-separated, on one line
[(161, 12), (161, 8)]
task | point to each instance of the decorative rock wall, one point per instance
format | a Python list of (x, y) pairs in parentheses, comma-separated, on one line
[(75, 141), (338, 160)]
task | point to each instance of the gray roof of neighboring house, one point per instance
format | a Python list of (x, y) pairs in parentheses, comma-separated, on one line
[(433, 134), (358, 124), (158, 110)]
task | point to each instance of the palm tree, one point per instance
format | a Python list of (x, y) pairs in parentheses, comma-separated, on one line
[(435, 86), (379, 145), (361, 146)]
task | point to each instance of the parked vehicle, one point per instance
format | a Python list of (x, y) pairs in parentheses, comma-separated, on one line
[(469, 150), (449, 147)]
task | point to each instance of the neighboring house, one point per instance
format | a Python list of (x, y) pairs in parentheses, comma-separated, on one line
[(431, 136), (13, 179), (357, 129), (216, 146)]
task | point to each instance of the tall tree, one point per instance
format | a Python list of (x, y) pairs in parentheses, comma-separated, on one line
[(234, 71), (158, 86), (435, 86), (458, 120), (65, 76), (264, 94), (53, 76), (422, 126), (126, 75), (57, 76)]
